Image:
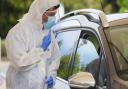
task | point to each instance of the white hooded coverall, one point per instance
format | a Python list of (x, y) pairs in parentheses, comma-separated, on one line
[(29, 64)]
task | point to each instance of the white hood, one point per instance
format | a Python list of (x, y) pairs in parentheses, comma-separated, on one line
[(36, 10)]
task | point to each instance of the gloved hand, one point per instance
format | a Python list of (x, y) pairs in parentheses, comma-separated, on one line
[(49, 81), (46, 41)]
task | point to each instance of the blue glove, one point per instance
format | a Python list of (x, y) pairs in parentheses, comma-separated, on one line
[(46, 41), (49, 81)]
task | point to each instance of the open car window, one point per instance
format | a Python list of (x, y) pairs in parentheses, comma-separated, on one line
[(88, 58)]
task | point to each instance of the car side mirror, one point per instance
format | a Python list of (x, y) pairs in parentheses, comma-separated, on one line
[(82, 80)]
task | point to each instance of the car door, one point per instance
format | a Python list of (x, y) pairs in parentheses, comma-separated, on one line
[(68, 34), (80, 52), (118, 59), (88, 57)]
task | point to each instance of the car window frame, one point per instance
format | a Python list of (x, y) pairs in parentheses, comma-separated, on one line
[(98, 40)]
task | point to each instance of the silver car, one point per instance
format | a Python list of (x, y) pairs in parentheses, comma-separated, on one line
[(94, 50)]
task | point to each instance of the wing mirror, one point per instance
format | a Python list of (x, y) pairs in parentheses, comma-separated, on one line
[(82, 80)]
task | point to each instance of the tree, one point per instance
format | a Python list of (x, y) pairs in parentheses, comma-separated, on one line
[(123, 4), (116, 5), (62, 72), (113, 4), (10, 12), (80, 4), (63, 69)]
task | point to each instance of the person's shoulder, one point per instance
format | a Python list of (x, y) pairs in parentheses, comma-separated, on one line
[(16, 31), (19, 29)]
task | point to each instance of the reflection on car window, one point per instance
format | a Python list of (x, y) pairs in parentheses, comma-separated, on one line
[(89, 55), (84, 58), (66, 41), (87, 59), (86, 53)]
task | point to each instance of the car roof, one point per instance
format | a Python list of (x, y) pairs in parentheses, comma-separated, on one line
[(95, 12), (113, 17), (107, 20), (72, 19), (117, 19)]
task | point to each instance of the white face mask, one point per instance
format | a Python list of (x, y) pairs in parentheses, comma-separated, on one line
[(50, 22)]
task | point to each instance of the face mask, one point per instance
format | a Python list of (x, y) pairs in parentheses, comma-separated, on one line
[(50, 22)]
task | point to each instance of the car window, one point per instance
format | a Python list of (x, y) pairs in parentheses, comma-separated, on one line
[(66, 42), (119, 44), (87, 58)]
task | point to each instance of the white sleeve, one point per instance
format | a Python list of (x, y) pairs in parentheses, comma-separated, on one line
[(53, 67), (18, 55)]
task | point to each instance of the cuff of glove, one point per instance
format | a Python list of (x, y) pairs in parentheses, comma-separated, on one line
[(49, 81), (43, 48)]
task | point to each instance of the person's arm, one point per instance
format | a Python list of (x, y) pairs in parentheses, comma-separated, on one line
[(18, 54), (55, 58)]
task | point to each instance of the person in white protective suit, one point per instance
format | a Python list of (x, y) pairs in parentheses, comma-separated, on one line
[(32, 49)]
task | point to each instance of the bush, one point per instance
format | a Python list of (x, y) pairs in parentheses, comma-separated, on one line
[(64, 71)]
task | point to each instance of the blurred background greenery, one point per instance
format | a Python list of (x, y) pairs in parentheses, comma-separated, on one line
[(12, 10)]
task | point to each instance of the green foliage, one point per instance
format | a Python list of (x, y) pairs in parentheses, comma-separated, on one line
[(123, 4), (62, 72), (80, 4), (21, 4), (76, 67), (10, 12), (63, 69), (3, 49)]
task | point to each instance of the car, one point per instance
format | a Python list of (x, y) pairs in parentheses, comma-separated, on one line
[(94, 50)]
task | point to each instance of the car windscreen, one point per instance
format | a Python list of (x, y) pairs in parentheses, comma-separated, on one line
[(119, 44)]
